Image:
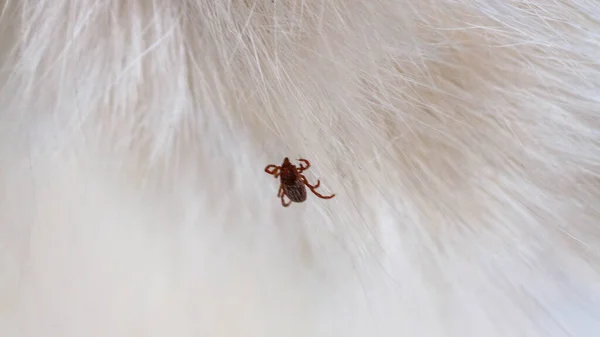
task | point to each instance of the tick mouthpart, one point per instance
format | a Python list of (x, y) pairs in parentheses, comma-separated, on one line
[(286, 161)]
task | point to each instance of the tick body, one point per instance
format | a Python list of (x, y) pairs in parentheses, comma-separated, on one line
[(292, 182)]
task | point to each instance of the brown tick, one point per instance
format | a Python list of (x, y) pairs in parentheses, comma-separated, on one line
[(292, 181)]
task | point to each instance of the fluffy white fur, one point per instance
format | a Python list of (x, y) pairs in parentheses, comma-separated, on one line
[(462, 139)]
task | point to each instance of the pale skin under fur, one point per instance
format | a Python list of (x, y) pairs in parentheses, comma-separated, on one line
[(461, 138)]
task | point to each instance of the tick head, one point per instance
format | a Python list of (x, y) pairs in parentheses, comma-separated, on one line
[(287, 170)]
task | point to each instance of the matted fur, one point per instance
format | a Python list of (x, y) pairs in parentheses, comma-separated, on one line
[(461, 138)]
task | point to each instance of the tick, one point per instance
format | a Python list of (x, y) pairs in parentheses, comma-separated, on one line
[(292, 181)]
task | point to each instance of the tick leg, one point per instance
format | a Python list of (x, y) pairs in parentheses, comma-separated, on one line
[(280, 192), (312, 188), (273, 169), (283, 201), (307, 183), (320, 195), (303, 168)]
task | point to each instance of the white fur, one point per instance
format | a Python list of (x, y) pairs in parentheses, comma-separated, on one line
[(462, 139)]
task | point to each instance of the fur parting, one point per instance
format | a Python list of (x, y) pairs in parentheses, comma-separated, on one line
[(461, 138)]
